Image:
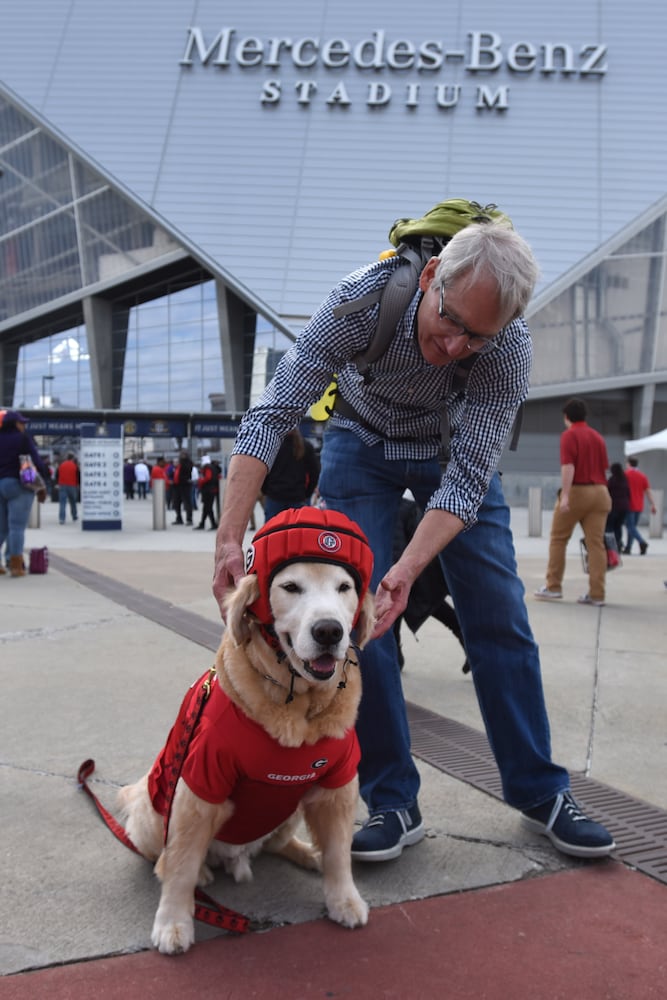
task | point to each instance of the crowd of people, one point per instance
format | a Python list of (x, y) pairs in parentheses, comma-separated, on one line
[(187, 487)]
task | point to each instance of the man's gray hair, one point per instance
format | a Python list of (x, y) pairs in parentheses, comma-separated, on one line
[(492, 249)]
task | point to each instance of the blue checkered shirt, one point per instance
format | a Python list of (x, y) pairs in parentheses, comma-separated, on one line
[(402, 398)]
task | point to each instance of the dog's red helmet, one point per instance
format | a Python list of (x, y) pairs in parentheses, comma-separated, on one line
[(307, 534)]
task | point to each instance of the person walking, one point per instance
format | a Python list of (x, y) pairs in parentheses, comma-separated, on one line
[(68, 487), (142, 477), (583, 499), (468, 302), (639, 489), (182, 495), (15, 500), (208, 485), (619, 491), (128, 479)]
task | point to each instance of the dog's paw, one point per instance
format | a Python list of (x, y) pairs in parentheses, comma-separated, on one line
[(239, 868), (172, 937), (205, 876), (347, 908)]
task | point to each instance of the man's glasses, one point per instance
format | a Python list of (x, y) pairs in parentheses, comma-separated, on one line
[(477, 342)]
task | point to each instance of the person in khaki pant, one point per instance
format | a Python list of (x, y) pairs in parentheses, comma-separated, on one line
[(582, 499)]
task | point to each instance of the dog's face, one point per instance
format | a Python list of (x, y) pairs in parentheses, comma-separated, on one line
[(314, 605)]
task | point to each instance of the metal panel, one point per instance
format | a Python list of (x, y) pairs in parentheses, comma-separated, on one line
[(312, 190)]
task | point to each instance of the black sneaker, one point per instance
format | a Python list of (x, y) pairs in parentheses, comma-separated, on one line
[(569, 829), (384, 835)]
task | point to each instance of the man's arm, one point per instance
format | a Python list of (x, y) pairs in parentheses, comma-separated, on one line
[(435, 531), (650, 499), (244, 479)]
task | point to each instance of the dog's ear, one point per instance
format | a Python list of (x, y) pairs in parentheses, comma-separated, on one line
[(366, 620), (236, 602)]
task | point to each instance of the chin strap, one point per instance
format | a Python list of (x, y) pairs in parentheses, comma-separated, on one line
[(270, 637)]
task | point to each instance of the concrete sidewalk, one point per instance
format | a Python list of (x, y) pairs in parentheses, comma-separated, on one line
[(85, 676)]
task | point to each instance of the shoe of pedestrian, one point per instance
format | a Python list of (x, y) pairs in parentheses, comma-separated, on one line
[(642, 548), (549, 595), (177, 521), (568, 828), (384, 835), (587, 599), (199, 527), (626, 551)]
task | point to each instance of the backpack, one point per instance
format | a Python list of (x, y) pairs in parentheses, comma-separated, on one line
[(416, 241)]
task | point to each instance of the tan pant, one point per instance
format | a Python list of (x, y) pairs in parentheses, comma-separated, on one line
[(589, 506)]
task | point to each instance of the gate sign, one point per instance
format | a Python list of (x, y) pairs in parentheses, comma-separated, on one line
[(101, 477)]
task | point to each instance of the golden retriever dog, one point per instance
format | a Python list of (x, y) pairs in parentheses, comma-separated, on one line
[(275, 742)]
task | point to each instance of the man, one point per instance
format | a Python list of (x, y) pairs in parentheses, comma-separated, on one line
[(142, 475), (583, 499), (639, 487), (68, 487), (182, 495), (468, 302)]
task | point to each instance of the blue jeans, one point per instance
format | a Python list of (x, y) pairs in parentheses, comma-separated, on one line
[(65, 494), (481, 573), (15, 506), (632, 531)]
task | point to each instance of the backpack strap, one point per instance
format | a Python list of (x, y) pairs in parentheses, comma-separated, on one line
[(394, 299)]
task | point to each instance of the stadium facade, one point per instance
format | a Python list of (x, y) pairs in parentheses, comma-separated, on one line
[(182, 183)]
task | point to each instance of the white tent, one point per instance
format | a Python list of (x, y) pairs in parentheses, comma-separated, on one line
[(651, 443)]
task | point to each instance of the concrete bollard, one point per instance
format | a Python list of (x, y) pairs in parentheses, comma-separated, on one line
[(159, 490), (655, 526), (535, 511), (34, 521)]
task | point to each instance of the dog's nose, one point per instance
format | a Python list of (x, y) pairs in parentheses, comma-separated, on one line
[(327, 631)]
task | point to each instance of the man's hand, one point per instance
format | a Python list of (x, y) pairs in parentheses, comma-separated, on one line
[(244, 478), (229, 568), (391, 599), (434, 532)]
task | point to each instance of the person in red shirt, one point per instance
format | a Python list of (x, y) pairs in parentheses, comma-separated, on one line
[(159, 471), (68, 487), (582, 499), (639, 487)]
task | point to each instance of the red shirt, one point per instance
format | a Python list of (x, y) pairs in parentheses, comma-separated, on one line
[(68, 473), (230, 756), (585, 449), (157, 472), (638, 484)]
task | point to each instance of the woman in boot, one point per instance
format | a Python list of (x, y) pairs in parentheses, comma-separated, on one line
[(15, 500)]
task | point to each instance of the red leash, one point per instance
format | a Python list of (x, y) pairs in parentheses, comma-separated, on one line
[(207, 909)]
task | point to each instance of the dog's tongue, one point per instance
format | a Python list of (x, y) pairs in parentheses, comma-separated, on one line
[(324, 665)]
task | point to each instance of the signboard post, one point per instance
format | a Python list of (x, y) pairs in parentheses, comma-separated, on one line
[(101, 477)]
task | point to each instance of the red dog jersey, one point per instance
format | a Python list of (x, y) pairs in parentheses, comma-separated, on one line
[(232, 757)]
